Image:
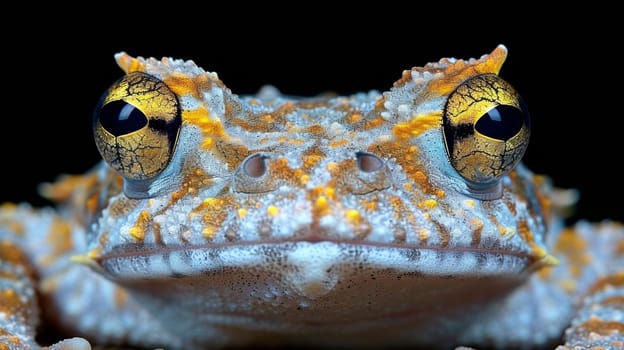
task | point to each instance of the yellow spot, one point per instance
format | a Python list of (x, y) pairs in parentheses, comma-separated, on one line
[(272, 210), (138, 230), (207, 143), (439, 193), (330, 192), (407, 186), (267, 118), (469, 203), (417, 125), (211, 202), (355, 117), (352, 215), (242, 212), (137, 233), (332, 167), (423, 234), (304, 179), (370, 205), (506, 231), (429, 203), (321, 206), (209, 232)]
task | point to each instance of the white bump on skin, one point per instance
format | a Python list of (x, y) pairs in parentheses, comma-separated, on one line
[(313, 277)]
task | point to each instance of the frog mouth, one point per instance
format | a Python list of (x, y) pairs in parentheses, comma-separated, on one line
[(130, 261)]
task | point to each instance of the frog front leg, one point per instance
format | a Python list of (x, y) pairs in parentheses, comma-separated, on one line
[(595, 256), (19, 310), (583, 292), (38, 266)]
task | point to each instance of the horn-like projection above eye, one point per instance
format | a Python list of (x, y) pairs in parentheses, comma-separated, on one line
[(136, 126), (486, 129)]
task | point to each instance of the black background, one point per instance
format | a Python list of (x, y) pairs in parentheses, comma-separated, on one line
[(564, 63)]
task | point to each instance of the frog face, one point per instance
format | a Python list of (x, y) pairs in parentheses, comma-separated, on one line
[(431, 166)]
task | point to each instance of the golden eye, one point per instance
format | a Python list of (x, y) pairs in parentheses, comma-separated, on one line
[(486, 129), (136, 126)]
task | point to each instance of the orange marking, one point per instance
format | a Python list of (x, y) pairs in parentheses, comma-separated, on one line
[(617, 300), (423, 182), (371, 124), (201, 118), (11, 303), (138, 230), (397, 206), (541, 256), (477, 228), (12, 339), (428, 204), (181, 84), (59, 240), (338, 143), (416, 126), (129, 64), (194, 180), (312, 157), (315, 129), (605, 328), (445, 235), (370, 205), (619, 250), (461, 70), (121, 297), (355, 117), (12, 254), (406, 76), (267, 118), (209, 232), (423, 235), (614, 280), (321, 207), (574, 247)]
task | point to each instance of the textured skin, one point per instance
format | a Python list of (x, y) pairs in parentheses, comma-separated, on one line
[(328, 221)]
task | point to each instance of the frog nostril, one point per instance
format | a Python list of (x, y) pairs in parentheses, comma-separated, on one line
[(368, 162), (255, 165)]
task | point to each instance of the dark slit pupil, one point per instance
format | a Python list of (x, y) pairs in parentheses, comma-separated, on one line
[(120, 118), (502, 122)]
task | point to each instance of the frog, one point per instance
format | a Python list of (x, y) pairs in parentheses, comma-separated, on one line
[(403, 218)]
